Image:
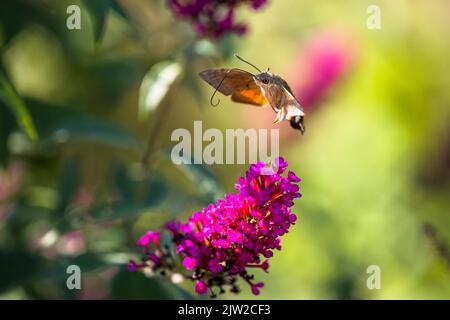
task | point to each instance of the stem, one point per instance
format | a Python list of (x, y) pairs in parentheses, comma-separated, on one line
[(161, 115), (153, 135)]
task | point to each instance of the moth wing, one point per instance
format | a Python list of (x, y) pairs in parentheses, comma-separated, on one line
[(227, 81), (293, 111), (251, 94), (287, 87), (292, 106), (289, 107)]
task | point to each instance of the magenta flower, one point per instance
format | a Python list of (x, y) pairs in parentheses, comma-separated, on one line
[(239, 232), (149, 237), (190, 263), (201, 287), (132, 266), (213, 18)]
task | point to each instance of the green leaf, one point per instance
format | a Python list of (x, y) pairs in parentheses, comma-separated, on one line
[(182, 294), (137, 192), (134, 285), (199, 174), (16, 267), (156, 84), (103, 212), (192, 82), (205, 48), (23, 215), (68, 184), (10, 98), (167, 243), (7, 126), (117, 8), (15, 16), (123, 184), (227, 46), (135, 196), (88, 262), (60, 125), (92, 130), (98, 10), (19, 267)]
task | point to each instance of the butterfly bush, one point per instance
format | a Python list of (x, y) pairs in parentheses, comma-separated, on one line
[(227, 239), (213, 18)]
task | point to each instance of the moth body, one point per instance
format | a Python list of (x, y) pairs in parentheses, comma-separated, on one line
[(261, 89)]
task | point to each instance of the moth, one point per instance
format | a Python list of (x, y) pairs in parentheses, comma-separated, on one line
[(261, 89)]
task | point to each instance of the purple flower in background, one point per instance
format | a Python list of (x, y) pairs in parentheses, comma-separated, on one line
[(256, 4), (323, 61), (11, 180), (187, 8), (239, 232), (213, 18)]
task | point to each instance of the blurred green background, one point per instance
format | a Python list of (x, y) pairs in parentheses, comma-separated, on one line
[(75, 121)]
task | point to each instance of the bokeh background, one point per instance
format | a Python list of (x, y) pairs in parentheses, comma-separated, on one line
[(80, 108)]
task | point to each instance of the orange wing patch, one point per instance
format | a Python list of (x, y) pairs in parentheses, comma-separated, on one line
[(251, 96)]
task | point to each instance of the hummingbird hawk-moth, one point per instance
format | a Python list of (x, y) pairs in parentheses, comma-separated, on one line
[(261, 89)]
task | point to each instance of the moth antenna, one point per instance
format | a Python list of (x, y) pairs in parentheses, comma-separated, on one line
[(250, 64), (217, 88), (212, 97)]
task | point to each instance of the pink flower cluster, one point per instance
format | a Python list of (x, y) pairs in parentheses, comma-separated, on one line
[(324, 60), (239, 232), (213, 18)]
